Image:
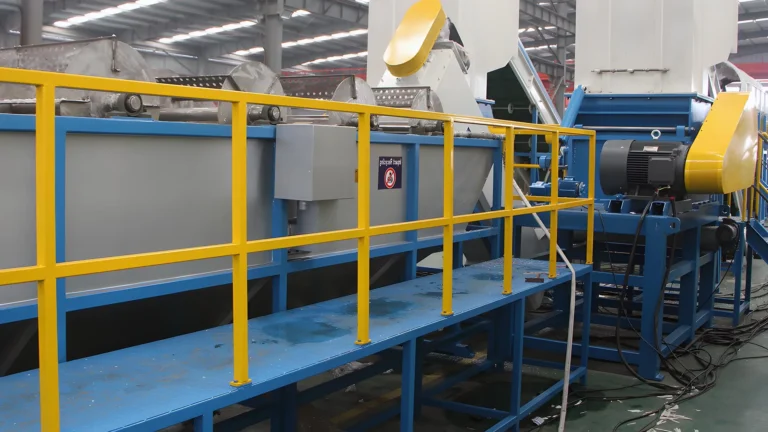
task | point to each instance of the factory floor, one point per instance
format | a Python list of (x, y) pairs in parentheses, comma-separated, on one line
[(735, 404)]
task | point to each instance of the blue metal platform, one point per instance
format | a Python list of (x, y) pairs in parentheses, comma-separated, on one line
[(160, 384)]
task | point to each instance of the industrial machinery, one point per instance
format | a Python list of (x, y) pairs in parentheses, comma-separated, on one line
[(104, 57), (252, 77), (672, 151), (130, 187), (146, 179), (446, 66)]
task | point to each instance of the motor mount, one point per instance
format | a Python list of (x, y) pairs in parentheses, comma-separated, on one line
[(639, 168)]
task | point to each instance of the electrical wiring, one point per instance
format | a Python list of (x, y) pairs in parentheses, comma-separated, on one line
[(692, 366), (705, 378), (736, 248), (622, 299)]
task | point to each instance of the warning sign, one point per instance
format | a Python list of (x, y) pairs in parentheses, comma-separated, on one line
[(390, 172)]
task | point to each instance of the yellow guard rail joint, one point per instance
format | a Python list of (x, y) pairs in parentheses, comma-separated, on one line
[(47, 270)]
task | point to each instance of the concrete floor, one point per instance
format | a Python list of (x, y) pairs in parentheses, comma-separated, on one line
[(736, 404)]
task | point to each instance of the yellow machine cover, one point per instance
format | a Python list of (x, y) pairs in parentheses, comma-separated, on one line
[(723, 156), (414, 38)]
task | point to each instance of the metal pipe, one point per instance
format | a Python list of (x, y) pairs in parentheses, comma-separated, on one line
[(72, 108), (562, 8), (273, 37), (479, 135), (630, 70), (577, 97), (636, 128), (31, 22), (395, 128), (256, 113), (202, 115)]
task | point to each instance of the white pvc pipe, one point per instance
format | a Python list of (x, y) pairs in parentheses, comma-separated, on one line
[(571, 315)]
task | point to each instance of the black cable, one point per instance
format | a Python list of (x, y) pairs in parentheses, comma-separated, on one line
[(706, 378), (660, 302), (702, 378), (622, 309), (736, 248), (629, 267)]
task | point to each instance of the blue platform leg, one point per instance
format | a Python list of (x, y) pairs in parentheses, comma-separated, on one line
[(458, 255), (708, 279), (586, 308), (284, 413), (502, 337), (517, 329), (689, 283), (655, 266), (204, 423), (561, 299), (408, 386), (418, 377), (748, 284), (738, 266)]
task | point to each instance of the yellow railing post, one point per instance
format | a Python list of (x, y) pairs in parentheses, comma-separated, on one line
[(240, 238), (448, 214), (509, 205), (47, 309), (591, 196), (363, 223), (554, 177)]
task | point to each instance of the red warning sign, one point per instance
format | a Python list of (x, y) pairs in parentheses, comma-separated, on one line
[(390, 172), (390, 178)]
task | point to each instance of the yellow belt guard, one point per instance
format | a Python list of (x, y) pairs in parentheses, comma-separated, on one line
[(723, 156)]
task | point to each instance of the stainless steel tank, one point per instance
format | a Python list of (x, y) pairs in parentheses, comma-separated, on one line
[(105, 57)]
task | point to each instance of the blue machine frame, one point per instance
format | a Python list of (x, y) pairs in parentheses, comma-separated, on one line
[(693, 276), (504, 326)]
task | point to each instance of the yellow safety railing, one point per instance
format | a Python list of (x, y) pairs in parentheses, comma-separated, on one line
[(47, 270)]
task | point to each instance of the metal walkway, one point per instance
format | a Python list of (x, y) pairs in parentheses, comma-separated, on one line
[(160, 384)]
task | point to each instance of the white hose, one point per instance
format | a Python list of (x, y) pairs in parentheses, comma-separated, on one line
[(571, 316)]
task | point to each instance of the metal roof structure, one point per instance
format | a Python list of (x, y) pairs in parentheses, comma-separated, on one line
[(318, 34), (753, 27)]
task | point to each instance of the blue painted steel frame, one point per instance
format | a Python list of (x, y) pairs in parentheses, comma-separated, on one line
[(504, 345), (741, 284), (507, 328), (683, 114), (412, 352)]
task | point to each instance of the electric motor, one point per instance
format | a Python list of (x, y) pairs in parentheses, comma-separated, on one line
[(639, 168)]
